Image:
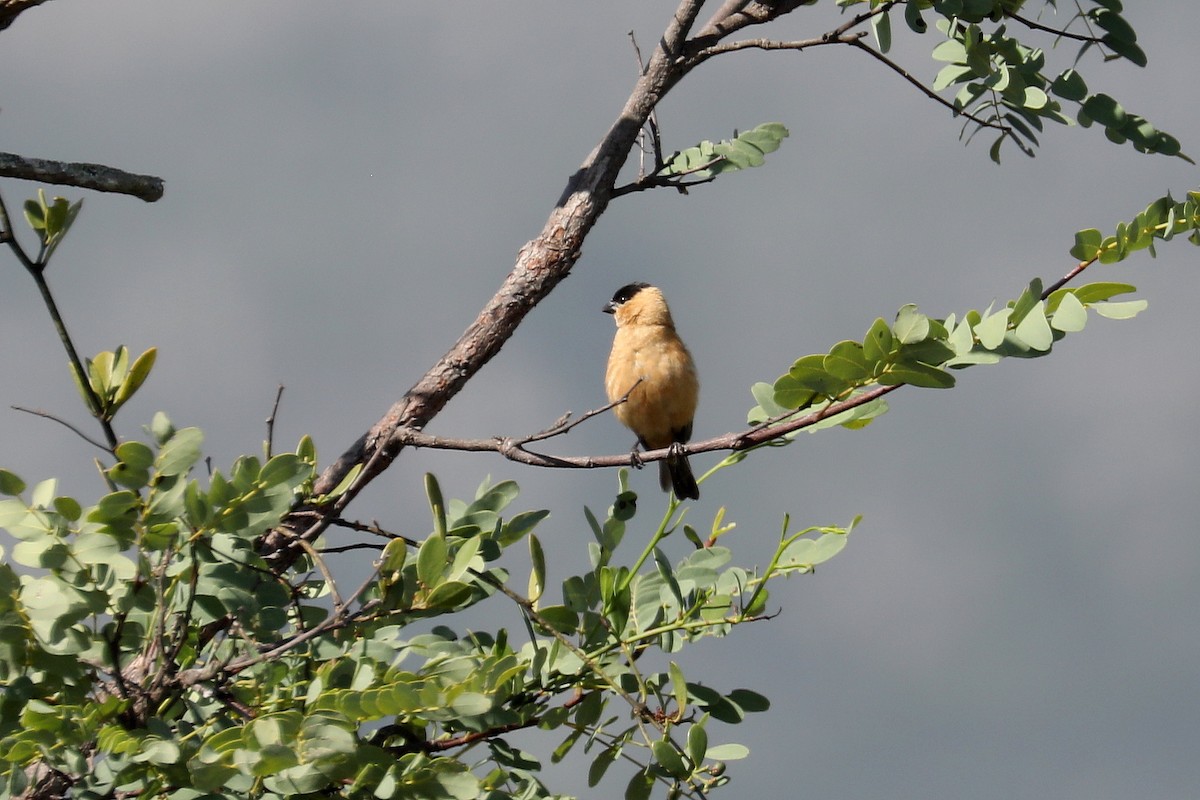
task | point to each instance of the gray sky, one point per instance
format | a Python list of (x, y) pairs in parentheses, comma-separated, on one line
[(347, 183)]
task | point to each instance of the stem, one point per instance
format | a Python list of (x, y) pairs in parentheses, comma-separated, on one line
[(36, 269)]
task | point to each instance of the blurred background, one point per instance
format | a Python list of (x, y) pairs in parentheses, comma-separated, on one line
[(347, 183)]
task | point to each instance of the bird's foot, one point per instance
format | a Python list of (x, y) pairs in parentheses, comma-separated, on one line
[(635, 458)]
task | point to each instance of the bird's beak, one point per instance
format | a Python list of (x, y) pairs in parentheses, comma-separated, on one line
[(609, 308)]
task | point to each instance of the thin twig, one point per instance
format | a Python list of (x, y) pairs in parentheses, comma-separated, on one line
[(925, 90), (37, 270), (1062, 33), (564, 424), (325, 573), (271, 421), (47, 415)]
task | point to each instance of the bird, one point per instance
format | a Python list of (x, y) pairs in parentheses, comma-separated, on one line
[(651, 364)]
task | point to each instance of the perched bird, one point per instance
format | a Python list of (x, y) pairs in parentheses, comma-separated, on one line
[(650, 363)]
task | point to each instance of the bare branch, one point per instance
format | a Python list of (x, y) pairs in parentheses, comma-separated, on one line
[(541, 264), (9, 9), (1061, 33), (84, 176), (271, 421), (47, 415), (514, 450), (925, 90)]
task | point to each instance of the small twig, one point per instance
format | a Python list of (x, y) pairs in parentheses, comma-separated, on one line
[(9, 237), (374, 529), (84, 176), (1070, 276), (37, 270), (346, 548), (9, 9), (271, 421), (338, 604), (47, 415), (925, 90), (564, 424), (656, 180), (651, 120), (1062, 33)]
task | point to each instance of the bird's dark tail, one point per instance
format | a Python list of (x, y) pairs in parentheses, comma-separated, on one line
[(675, 474)]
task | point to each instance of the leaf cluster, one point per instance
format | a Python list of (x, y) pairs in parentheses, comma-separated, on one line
[(112, 380), (1003, 83), (708, 159), (50, 221), (148, 647), (919, 350)]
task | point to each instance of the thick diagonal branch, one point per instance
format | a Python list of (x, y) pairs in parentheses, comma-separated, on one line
[(541, 264)]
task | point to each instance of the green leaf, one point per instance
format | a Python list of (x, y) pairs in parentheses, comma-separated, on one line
[(728, 752), (431, 560), (879, 342), (790, 393), (912, 16), (1123, 310), (1071, 316), (708, 159), (809, 373), (449, 594), (992, 329), (1095, 292), (180, 452), (537, 575), (601, 764), (136, 377), (1087, 244), (471, 704), (806, 553), (917, 374), (35, 213), (559, 618), (911, 325), (668, 757), (678, 687), (639, 787), (750, 700), (437, 505), (1069, 86), (10, 484), (697, 742), (881, 26), (1035, 330)]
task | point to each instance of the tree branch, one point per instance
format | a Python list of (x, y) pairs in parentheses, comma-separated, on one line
[(541, 264), (1062, 33), (514, 449), (37, 412), (9, 9), (81, 175), (925, 90)]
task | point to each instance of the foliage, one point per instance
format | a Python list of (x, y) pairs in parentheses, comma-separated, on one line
[(50, 221), (710, 159), (150, 644), (148, 637), (918, 350), (1002, 82)]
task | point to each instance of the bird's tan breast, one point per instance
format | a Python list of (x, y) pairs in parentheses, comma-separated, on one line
[(664, 402)]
